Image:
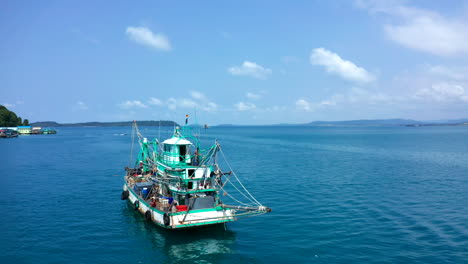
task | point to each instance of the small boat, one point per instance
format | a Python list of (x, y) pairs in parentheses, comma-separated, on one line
[(48, 131), (175, 184), (8, 133)]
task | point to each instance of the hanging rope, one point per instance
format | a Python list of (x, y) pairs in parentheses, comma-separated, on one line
[(243, 187), (233, 185)]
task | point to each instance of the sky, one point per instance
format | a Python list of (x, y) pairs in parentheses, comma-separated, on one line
[(234, 62)]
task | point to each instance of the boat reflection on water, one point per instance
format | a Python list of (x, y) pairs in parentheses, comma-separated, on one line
[(208, 244)]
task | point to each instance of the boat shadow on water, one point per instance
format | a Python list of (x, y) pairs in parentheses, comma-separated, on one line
[(207, 244)]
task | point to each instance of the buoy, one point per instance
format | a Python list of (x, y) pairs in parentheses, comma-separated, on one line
[(167, 219), (136, 204)]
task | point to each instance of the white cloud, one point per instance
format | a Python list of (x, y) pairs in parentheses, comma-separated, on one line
[(81, 106), (210, 107), (7, 105), (241, 106), (197, 95), (203, 102), (443, 92), (336, 65), (362, 96), (302, 104), (198, 101), (253, 96), (422, 29), (145, 36), (250, 69), (172, 103), (132, 104), (451, 73), (187, 103), (154, 101)]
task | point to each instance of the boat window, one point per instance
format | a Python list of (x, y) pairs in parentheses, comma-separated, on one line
[(174, 149), (190, 173), (183, 150), (167, 147), (202, 202)]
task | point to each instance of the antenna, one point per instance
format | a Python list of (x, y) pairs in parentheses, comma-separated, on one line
[(159, 130), (198, 125)]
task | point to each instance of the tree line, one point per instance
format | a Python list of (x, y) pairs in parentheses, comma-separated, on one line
[(10, 119)]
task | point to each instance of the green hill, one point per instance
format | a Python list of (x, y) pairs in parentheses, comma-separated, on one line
[(10, 119)]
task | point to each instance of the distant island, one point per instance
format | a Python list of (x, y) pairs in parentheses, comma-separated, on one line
[(390, 122), (375, 122), (104, 124)]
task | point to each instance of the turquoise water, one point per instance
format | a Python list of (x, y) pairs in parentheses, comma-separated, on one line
[(339, 195)]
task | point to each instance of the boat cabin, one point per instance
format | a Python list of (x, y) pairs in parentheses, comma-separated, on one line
[(176, 150)]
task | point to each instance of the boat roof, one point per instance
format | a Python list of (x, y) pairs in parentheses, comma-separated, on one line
[(177, 141)]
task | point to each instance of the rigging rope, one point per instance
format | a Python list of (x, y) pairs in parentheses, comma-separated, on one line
[(257, 202), (222, 188)]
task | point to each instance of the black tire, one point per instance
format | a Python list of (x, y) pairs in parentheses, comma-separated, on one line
[(124, 195), (148, 215), (167, 219), (136, 204)]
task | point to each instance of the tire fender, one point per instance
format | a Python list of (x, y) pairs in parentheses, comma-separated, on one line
[(148, 215), (167, 219), (124, 195)]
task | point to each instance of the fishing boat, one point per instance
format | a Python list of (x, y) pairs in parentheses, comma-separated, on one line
[(176, 184), (8, 133)]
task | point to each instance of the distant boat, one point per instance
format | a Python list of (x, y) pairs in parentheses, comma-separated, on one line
[(49, 131), (206, 126), (8, 133), (175, 184)]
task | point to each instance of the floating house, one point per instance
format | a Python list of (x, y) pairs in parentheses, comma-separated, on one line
[(24, 129), (36, 130)]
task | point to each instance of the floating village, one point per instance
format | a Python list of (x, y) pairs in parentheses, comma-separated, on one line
[(9, 132)]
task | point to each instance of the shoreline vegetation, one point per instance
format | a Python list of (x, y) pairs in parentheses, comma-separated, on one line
[(9, 118)]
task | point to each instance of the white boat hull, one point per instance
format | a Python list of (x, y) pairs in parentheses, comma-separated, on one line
[(183, 219)]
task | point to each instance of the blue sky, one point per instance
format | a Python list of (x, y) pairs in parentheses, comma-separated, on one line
[(242, 62)]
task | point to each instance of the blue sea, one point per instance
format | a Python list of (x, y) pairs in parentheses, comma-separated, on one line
[(338, 194)]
